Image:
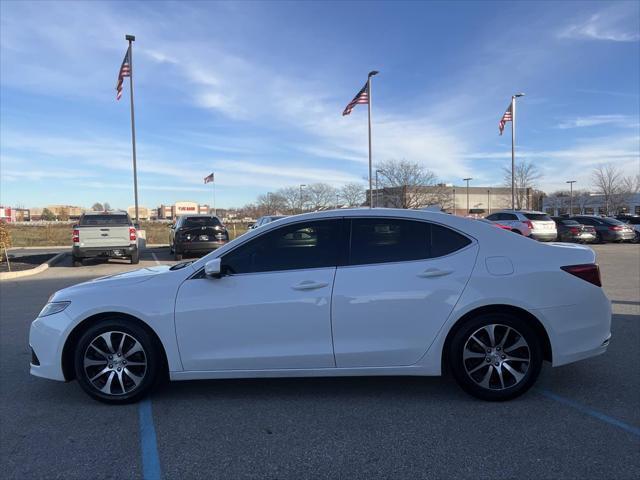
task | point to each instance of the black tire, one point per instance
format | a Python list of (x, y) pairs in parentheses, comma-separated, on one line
[(150, 374), (171, 249), (177, 256), (77, 261), (135, 257), (511, 387), (599, 238)]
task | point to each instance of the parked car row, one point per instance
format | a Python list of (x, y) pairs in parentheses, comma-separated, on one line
[(577, 228)]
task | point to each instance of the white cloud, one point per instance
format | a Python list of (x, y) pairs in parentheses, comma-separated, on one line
[(618, 23), (596, 120)]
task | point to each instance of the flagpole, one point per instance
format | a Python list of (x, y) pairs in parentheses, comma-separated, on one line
[(215, 213), (371, 74), (131, 39), (513, 152)]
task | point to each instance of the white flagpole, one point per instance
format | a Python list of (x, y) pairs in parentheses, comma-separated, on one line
[(371, 74), (131, 39), (513, 149)]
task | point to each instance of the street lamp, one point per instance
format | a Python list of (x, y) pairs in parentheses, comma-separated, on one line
[(467, 180), (571, 182), (302, 185), (377, 193)]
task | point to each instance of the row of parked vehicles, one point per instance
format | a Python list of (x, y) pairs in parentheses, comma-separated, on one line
[(576, 228)]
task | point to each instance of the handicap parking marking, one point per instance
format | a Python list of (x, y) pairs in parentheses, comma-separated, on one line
[(591, 412), (148, 442)]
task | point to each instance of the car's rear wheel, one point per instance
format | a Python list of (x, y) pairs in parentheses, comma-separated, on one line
[(177, 256), (496, 356), (117, 361), (77, 261), (135, 257), (599, 238)]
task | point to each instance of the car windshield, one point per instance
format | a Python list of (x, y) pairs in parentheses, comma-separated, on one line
[(89, 220), (543, 217), (201, 222)]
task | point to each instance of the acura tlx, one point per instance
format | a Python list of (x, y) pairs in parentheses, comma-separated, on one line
[(335, 293)]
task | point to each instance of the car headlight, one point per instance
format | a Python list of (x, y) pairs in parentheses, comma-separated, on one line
[(53, 307)]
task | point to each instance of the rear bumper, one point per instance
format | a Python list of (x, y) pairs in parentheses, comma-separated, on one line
[(544, 236), (105, 252), (199, 246), (578, 331), (617, 236)]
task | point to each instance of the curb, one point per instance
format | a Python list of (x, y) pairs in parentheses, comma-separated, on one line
[(33, 271)]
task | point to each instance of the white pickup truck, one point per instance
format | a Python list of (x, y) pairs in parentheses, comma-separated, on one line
[(105, 235)]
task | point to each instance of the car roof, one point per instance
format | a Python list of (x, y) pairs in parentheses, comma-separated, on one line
[(110, 212), (508, 210)]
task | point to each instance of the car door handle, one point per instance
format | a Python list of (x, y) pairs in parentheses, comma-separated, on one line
[(309, 285), (434, 272)]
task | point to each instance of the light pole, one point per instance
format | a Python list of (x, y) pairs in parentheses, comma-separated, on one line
[(268, 203), (302, 185), (337, 199), (571, 182), (489, 201), (513, 149), (467, 180), (377, 193), (454, 200)]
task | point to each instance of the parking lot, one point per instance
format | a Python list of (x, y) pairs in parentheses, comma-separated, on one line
[(581, 421)]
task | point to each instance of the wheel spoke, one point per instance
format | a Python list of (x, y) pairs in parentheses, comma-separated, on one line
[(499, 370), (124, 335), (136, 379), (99, 351), (136, 364), (491, 331), (107, 386), (100, 373), (135, 349), (88, 362), (479, 342), (107, 339), (504, 338), (487, 377), (478, 367), (467, 354), (121, 382), (519, 344), (518, 376)]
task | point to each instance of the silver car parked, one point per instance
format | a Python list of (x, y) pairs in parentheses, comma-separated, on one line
[(537, 225)]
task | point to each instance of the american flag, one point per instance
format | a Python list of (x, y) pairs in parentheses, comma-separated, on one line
[(125, 71), (361, 97), (208, 178), (507, 117)]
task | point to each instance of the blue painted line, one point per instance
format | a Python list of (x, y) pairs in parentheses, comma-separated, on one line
[(148, 442), (592, 413)]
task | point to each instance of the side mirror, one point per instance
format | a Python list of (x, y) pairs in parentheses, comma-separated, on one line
[(212, 268)]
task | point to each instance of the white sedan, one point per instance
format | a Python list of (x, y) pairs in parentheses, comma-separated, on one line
[(336, 293)]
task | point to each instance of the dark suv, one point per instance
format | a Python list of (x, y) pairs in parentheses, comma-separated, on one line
[(196, 234), (607, 229)]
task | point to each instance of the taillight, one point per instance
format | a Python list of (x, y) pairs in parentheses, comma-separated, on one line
[(132, 234), (528, 223), (616, 228), (75, 237), (574, 230), (589, 272)]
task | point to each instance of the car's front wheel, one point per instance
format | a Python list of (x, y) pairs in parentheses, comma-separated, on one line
[(117, 361), (496, 356)]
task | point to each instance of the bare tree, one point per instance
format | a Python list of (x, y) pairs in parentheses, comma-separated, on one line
[(319, 196), (526, 176), (106, 206), (293, 198), (352, 194), (414, 185), (558, 200), (271, 204), (616, 189), (582, 199), (97, 207)]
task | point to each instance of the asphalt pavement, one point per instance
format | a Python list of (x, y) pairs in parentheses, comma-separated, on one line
[(581, 421)]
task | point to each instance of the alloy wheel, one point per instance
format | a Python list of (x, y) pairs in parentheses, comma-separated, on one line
[(496, 357), (115, 363)]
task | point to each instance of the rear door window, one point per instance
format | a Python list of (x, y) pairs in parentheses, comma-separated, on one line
[(381, 240), (509, 216)]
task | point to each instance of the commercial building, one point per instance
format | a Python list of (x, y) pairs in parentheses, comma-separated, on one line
[(143, 212), (66, 212), (170, 212), (591, 204), (453, 199)]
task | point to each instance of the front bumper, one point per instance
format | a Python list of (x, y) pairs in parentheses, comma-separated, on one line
[(46, 339)]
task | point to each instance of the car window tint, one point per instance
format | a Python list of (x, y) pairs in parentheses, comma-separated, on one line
[(572, 223), (200, 222), (88, 220), (538, 216), (380, 240), (612, 221), (445, 241), (493, 217), (292, 247)]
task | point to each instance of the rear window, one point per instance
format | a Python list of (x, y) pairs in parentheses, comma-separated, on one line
[(633, 221), (541, 217), (612, 221), (200, 222), (89, 220), (571, 223)]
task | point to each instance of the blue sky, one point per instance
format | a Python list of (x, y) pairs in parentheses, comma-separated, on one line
[(254, 91)]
